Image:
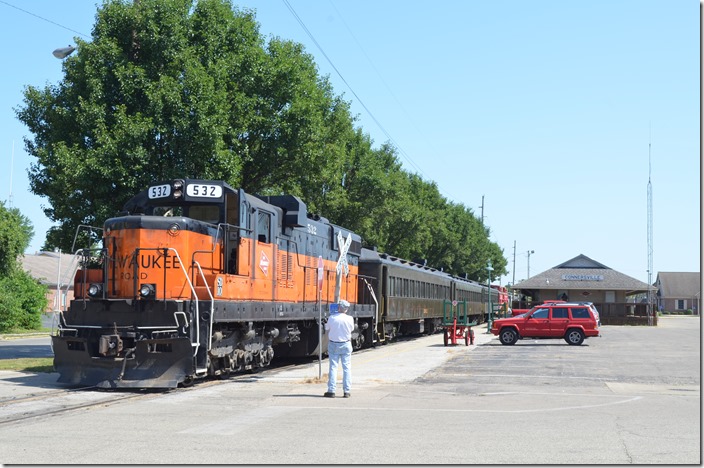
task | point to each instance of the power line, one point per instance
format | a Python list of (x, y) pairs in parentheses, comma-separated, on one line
[(361, 102), (43, 19), (371, 63)]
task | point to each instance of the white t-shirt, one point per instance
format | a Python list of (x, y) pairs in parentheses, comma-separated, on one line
[(339, 327)]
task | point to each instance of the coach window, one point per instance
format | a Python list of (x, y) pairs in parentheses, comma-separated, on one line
[(263, 227)]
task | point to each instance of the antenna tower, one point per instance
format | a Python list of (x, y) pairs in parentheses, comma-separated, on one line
[(650, 238), (12, 164)]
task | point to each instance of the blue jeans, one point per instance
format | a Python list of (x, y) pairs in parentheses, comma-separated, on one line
[(343, 353)]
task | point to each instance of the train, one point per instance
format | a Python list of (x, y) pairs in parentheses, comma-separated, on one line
[(197, 279)]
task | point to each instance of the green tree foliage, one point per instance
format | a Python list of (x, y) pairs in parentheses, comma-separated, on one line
[(22, 299), (15, 235), (184, 88)]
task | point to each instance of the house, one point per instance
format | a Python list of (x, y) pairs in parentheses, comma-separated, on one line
[(56, 271), (678, 291), (582, 279)]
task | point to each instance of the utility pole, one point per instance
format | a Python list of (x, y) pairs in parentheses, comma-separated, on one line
[(650, 240), (513, 281), (12, 164), (482, 210)]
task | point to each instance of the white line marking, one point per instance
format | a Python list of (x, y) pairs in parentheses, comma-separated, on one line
[(448, 410)]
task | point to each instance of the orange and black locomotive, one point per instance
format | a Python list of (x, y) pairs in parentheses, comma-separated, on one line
[(196, 279)]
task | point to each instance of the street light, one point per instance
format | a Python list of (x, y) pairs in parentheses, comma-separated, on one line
[(63, 52), (528, 253), (488, 284)]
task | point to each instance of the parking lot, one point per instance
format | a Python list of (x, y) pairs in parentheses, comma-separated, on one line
[(631, 396)]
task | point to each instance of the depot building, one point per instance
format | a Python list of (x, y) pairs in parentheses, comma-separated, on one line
[(617, 296)]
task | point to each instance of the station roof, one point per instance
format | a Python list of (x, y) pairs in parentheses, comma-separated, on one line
[(582, 272)]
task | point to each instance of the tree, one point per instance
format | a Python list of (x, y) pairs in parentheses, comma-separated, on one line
[(16, 233), (22, 299), (184, 88), (177, 88)]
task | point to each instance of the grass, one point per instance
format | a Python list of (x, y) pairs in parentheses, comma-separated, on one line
[(35, 365), (22, 331)]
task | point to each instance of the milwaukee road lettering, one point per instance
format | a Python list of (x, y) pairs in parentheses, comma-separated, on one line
[(148, 261)]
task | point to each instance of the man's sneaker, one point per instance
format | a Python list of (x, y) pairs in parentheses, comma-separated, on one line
[(329, 394), (347, 395)]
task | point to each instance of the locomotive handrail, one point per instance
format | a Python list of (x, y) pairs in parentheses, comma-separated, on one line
[(71, 268), (193, 292), (376, 307), (217, 237), (215, 242), (84, 281), (73, 246), (212, 310)]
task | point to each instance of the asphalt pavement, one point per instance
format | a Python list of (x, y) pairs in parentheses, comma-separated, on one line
[(631, 396)]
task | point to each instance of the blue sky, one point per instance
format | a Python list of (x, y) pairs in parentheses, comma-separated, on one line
[(544, 108)]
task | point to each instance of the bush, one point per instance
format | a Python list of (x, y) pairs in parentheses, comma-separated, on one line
[(22, 301)]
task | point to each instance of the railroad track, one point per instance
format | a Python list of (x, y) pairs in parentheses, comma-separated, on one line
[(61, 401)]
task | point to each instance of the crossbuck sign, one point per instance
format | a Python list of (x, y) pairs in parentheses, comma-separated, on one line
[(344, 245)]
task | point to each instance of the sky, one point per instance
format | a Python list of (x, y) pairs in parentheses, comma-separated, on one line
[(549, 118)]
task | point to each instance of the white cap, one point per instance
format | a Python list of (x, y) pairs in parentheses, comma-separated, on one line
[(343, 305)]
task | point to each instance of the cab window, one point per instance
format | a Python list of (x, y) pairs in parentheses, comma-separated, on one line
[(167, 211), (263, 227), (208, 213)]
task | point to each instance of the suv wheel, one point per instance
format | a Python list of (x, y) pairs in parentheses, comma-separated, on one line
[(508, 336), (574, 336)]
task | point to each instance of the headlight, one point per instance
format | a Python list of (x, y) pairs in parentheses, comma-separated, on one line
[(147, 290), (178, 189), (95, 290)]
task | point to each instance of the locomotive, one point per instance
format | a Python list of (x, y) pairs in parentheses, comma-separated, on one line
[(195, 278)]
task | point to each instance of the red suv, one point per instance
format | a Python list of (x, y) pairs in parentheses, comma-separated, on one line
[(573, 322)]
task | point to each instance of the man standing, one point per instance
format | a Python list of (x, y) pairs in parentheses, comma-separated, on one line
[(339, 327)]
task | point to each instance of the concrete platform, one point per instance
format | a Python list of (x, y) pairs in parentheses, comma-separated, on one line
[(397, 362)]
